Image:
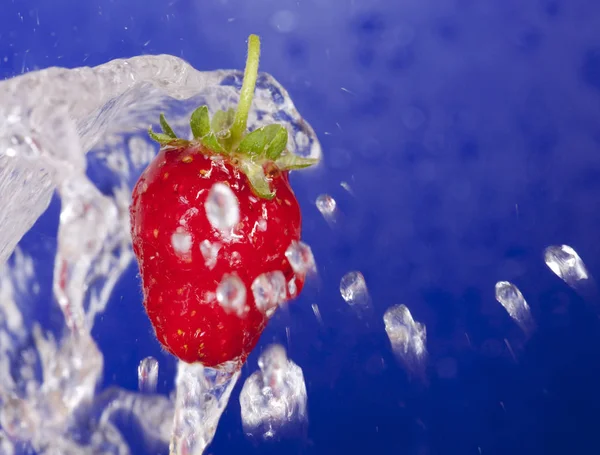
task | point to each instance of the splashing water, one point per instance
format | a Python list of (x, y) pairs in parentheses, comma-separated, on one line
[(273, 399), (407, 337), (202, 394), (57, 124), (510, 297)]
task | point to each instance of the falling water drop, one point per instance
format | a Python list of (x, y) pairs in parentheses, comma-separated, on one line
[(353, 289), (273, 400), (566, 264), (327, 206), (407, 337), (509, 296), (301, 258), (148, 375)]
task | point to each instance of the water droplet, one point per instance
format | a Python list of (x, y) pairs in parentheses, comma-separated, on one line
[(347, 187), (148, 375), (210, 252), (269, 291), (202, 395), (566, 264), (292, 287), (301, 258), (407, 337), (222, 207), (353, 289), (273, 363), (231, 295), (273, 400), (181, 241), (326, 205), (262, 225), (317, 313), (509, 296), (235, 259)]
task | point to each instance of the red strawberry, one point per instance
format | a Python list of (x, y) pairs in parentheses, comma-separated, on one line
[(216, 231)]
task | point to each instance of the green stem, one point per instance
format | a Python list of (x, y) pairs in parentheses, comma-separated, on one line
[(238, 128)]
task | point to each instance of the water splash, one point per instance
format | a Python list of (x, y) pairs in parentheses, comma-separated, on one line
[(407, 337), (510, 297), (273, 400), (57, 123), (202, 394)]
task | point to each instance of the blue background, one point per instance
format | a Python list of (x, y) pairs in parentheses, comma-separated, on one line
[(469, 132)]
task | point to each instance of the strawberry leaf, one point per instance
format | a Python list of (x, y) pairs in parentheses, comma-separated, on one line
[(278, 143), (222, 120), (211, 142), (257, 179), (166, 128), (161, 138), (289, 162), (200, 122), (268, 141)]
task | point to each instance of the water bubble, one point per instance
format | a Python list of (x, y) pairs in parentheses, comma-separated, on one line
[(353, 289), (509, 296), (273, 400), (301, 258), (148, 375), (181, 241), (231, 295), (210, 252), (222, 207), (269, 291), (407, 337), (566, 264)]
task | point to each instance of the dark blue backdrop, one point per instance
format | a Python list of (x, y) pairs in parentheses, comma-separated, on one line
[(469, 132)]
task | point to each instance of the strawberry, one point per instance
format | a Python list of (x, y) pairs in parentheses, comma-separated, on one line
[(216, 231)]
